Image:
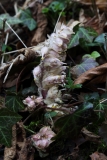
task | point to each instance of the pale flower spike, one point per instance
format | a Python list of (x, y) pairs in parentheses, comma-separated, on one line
[(51, 71)]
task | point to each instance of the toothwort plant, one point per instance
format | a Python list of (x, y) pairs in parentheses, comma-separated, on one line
[(48, 76)]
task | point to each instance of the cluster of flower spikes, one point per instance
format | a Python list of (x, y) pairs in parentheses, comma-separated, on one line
[(50, 73)]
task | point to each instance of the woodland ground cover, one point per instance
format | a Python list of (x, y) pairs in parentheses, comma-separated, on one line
[(53, 80)]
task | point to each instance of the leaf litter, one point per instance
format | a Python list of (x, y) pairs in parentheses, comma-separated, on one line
[(49, 126)]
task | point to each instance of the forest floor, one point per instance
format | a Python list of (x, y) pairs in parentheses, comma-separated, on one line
[(53, 87)]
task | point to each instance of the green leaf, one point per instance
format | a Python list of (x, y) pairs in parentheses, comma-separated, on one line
[(13, 102), (95, 54), (9, 19), (71, 125), (81, 32), (27, 20), (4, 47), (56, 6), (91, 96), (29, 90), (87, 63), (7, 120), (70, 84), (101, 39), (45, 10), (94, 99), (50, 114)]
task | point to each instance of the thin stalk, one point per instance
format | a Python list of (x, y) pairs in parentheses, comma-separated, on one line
[(28, 129), (6, 40), (106, 60), (14, 33), (3, 8), (15, 51)]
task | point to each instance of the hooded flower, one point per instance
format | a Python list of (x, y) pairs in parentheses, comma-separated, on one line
[(42, 139)]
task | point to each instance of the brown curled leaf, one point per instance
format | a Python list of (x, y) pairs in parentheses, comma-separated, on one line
[(91, 74), (97, 23), (90, 136)]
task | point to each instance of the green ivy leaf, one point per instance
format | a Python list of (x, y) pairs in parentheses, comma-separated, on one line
[(94, 55), (13, 102), (27, 20), (11, 20), (101, 40), (71, 125), (81, 32), (4, 47), (56, 6), (45, 10), (87, 63), (7, 120), (70, 84), (30, 90)]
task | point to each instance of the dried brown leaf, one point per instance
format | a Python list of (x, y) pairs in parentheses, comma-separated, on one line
[(100, 3), (96, 22), (41, 31), (23, 149), (90, 136), (91, 74)]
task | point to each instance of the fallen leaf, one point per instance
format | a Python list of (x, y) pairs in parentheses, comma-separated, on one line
[(87, 64), (96, 22), (92, 73), (100, 3), (90, 136), (40, 33)]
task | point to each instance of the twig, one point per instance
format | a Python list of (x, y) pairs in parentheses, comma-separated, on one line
[(98, 111), (15, 51), (6, 40), (58, 19), (32, 114), (73, 104), (28, 129), (15, 34), (3, 8), (8, 71), (106, 60), (59, 109)]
